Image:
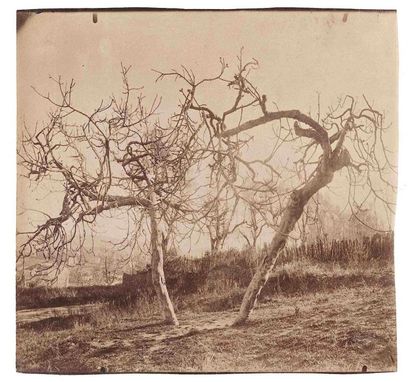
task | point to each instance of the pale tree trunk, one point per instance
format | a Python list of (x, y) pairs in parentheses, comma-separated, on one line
[(157, 269), (216, 244), (291, 215)]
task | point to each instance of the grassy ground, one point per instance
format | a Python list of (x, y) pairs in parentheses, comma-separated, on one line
[(341, 323)]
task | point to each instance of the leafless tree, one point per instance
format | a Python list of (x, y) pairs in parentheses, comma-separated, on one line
[(254, 225), (219, 222), (117, 158), (109, 271), (348, 139), (233, 181)]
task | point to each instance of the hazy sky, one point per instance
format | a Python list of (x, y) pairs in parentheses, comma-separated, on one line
[(301, 54)]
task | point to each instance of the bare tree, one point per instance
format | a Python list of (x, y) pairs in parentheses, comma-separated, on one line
[(219, 222), (348, 138), (117, 158), (254, 227), (233, 180), (109, 272)]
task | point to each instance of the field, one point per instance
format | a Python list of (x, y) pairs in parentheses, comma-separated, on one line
[(314, 315)]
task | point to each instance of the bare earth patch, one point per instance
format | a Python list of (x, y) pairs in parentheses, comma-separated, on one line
[(341, 331)]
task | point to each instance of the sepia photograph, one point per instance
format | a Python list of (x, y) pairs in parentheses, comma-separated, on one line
[(206, 191)]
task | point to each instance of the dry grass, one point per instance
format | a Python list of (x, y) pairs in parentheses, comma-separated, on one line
[(339, 331), (312, 316)]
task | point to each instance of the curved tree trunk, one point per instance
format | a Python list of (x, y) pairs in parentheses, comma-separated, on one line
[(157, 269), (291, 215)]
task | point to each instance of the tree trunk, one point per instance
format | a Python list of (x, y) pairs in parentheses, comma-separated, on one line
[(216, 244), (157, 269), (291, 215)]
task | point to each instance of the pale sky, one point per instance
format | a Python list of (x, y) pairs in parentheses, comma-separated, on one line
[(300, 54)]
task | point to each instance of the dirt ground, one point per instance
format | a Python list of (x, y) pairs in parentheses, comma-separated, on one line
[(347, 330)]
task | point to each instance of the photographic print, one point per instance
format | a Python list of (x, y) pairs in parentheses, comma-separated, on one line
[(206, 191)]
